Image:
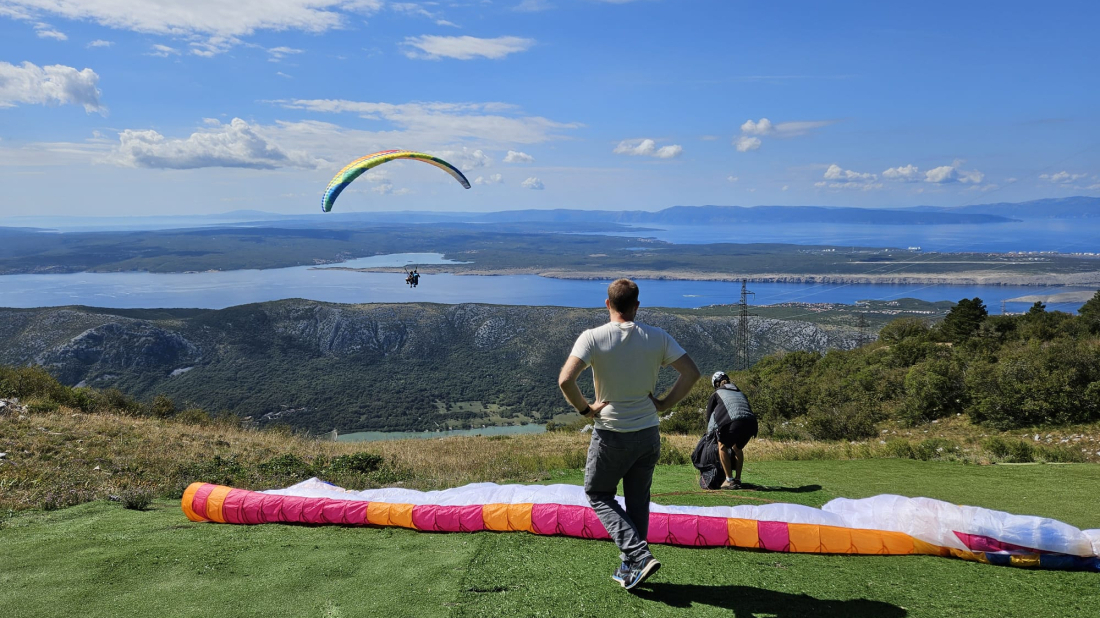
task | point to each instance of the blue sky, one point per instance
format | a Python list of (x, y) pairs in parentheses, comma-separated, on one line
[(120, 107)]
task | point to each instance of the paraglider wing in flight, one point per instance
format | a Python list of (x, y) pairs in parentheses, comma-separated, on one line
[(356, 168)]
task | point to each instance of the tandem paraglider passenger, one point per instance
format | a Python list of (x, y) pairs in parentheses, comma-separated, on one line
[(625, 357), (730, 418)]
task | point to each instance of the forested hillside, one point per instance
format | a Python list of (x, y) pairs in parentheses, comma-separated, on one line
[(317, 366), (1002, 371)]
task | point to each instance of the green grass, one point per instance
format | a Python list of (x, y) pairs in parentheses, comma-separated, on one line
[(99, 559)]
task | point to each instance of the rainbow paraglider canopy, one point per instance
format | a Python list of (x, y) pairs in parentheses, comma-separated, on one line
[(881, 525), (357, 167)]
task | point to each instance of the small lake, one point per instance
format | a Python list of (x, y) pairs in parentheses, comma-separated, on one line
[(218, 290), (372, 436)]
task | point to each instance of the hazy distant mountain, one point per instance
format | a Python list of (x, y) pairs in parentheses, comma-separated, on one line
[(732, 215), (1077, 207)]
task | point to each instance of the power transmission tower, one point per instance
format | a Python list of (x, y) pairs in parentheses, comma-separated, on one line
[(742, 361)]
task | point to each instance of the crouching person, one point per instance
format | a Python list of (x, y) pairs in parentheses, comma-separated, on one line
[(731, 418)]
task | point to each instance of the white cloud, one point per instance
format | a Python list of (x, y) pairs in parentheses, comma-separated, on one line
[(953, 173), (430, 47), (785, 187), (800, 127), (765, 127), (163, 51), (278, 53), (532, 6), (386, 188), (236, 144), (492, 179), (533, 183), (100, 43), (1062, 177), (708, 138), (466, 159), (46, 31), (669, 152), (284, 75), (837, 177), (221, 21), (438, 123), (444, 22), (49, 85), (745, 144), (835, 172), (760, 127), (515, 156), (907, 173), (647, 148), (732, 178)]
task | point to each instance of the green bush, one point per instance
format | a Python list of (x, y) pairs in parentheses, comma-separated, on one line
[(685, 421), (846, 421), (360, 463), (934, 448), (1009, 450), (900, 449), (136, 498)]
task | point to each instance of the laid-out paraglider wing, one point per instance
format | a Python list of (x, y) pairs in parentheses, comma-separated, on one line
[(356, 168)]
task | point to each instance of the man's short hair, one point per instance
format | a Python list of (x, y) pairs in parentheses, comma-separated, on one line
[(623, 294)]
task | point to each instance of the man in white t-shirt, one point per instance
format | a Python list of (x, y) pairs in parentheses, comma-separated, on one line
[(625, 358)]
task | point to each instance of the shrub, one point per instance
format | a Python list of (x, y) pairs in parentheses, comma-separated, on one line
[(900, 449), (136, 498), (193, 416), (162, 407), (850, 420), (901, 329), (361, 463), (685, 421), (286, 465), (1060, 454), (934, 448), (1009, 451)]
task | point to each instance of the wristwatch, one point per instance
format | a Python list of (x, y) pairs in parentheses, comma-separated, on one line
[(588, 410)]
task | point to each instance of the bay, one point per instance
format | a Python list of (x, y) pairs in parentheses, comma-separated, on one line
[(221, 289), (372, 436)]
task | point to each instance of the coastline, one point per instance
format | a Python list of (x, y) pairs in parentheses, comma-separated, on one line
[(976, 277)]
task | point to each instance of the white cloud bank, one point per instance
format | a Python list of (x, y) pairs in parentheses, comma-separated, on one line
[(431, 47), (236, 144), (515, 156), (492, 179), (648, 148), (213, 26), (439, 123), (533, 183), (753, 130), (1062, 177), (49, 85), (836, 177)]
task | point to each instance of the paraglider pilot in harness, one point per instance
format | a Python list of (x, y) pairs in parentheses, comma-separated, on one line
[(730, 417), (412, 278)]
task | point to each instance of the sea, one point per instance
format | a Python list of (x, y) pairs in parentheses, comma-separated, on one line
[(221, 289)]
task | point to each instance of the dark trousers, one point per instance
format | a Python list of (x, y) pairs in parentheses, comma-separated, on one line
[(629, 457)]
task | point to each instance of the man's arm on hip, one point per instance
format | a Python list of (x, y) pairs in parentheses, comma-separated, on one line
[(567, 382), (689, 375)]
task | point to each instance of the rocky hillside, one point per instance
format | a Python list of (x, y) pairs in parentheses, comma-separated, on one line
[(355, 367)]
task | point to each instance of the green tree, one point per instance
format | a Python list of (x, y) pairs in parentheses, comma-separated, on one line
[(1090, 311), (963, 320)]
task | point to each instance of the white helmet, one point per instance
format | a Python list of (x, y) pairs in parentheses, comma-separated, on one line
[(718, 377)]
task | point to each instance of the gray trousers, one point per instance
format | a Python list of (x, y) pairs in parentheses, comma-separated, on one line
[(629, 457)]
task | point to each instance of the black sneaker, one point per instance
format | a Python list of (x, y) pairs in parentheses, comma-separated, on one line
[(621, 574), (640, 574)]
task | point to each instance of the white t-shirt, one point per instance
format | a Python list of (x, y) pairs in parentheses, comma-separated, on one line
[(625, 359)]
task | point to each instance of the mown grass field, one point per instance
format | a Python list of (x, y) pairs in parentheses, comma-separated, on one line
[(99, 559)]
